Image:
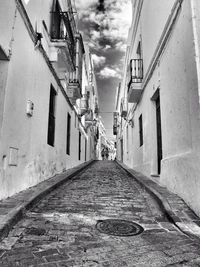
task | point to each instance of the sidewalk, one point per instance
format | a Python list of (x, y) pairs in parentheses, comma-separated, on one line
[(13, 208), (174, 207)]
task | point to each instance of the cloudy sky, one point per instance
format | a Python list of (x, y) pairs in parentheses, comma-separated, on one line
[(105, 24)]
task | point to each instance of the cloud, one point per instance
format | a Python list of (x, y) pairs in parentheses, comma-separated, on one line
[(107, 47), (111, 22), (95, 35), (108, 72), (84, 4), (98, 60), (121, 46)]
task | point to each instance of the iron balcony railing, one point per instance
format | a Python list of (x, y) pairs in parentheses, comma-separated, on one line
[(114, 130), (84, 105), (89, 116), (61, 29), (136, 70), (123, 109)]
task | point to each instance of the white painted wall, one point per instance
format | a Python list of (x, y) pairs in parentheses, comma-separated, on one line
[(7, 21), (23, 137), (176, 76)]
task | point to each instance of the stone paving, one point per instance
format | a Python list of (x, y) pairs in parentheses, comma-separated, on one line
[(177, 210), (60, 230)]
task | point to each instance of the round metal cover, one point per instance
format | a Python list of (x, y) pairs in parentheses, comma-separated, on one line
[(119, 227)]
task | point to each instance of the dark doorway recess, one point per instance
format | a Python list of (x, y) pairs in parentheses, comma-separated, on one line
[(141, 130), (51, 124), (68, 133), (79, 146), (159, 132), (122, 149)]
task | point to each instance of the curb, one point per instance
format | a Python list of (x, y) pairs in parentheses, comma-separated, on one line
[(188, 222), (18, 204)]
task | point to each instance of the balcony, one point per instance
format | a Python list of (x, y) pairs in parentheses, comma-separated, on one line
[(135, 80), (96, 106), (84, 105), (96, 109), (114, 130), (123, 108), (89, 118), (63, 49), (74, 90), (75, 77), (115, 122)]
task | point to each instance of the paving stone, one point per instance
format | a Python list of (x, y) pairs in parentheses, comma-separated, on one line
[(61, 229), (44, 253)]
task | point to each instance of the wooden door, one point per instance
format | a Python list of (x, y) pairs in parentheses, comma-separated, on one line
[(159, 133)]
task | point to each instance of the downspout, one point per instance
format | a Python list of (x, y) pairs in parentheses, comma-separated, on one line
[(196, 42), (77, 58)]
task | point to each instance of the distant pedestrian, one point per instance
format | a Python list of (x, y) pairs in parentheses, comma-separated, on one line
[(102, 154)]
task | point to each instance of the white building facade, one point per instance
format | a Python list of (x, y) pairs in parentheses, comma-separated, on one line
[(157, 104), (42, 61)]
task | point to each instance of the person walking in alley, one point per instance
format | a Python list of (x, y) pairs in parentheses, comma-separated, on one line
[(106, 154), (102, 154)]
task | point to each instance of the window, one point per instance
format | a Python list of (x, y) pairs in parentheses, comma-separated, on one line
[(79, 146), (68, 133), (141, 130), (56, 20), (139, 51), (51, 125)]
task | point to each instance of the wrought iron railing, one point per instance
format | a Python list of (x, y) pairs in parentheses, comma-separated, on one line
[(61, 30), (136, 70), (114, 130), (84, 105), (89, 116)]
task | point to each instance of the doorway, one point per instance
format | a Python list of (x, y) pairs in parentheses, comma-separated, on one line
[(121, 142), (159, 132), (79, 146)]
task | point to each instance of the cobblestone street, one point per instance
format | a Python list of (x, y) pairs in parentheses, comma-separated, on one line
[(61, 229)]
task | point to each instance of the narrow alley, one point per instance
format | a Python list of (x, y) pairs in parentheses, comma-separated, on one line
[(62, 229), (99, 133)]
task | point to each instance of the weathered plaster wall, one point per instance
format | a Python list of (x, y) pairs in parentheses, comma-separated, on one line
[(176, 77), (26, 158), (180, 113), (3, 81), (7, 21), (153, 18)]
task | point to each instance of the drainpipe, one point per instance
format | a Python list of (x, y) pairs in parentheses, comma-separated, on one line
[(195, 22), (77, 57)]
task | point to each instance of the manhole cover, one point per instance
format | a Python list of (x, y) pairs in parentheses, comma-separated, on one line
[(119, 227)]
